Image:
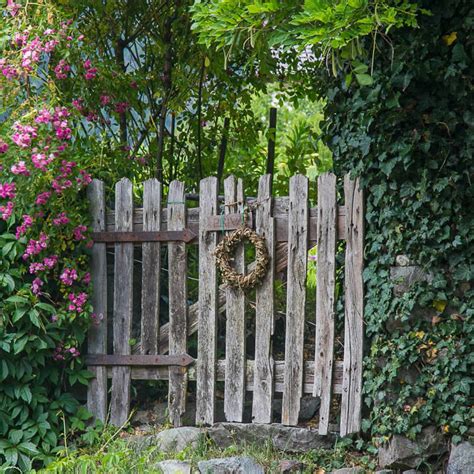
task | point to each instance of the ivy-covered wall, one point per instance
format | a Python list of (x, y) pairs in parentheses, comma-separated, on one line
[(409, 136)]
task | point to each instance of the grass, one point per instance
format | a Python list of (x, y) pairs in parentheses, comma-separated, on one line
[(113, 452)]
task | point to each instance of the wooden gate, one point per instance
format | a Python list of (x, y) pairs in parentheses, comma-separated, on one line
[(291, 228)]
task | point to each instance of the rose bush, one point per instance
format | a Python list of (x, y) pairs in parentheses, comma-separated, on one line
[(44, 280)]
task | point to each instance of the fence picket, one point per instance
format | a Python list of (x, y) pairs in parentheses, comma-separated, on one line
[(178, 307), (325, 293), (264, 311), (207, 331), (354, 308), (97, 336), (298, 227), (123, 303), (296, 297), (234, 392), (151, 268)]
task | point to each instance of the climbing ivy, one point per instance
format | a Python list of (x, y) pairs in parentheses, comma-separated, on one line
[(408, 134)]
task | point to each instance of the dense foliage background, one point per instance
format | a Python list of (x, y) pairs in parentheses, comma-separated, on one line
[(182, 90), (409, 136)]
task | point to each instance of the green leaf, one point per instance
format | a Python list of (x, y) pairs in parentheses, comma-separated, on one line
[(16, 299), (364, 79), (18, 314), (28, 448), (15, 436), (34, 318)]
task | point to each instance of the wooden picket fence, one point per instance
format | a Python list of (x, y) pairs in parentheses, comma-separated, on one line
[(290, 228)]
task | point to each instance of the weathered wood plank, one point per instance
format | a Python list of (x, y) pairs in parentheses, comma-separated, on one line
[(97, 336), (280, 215), (234, 391), (325, 294), (151, 269), (354, 308), (178, 307), (207, 332), (264, 311), (161, 373), (281, 260), (296, 297), (123, 303)]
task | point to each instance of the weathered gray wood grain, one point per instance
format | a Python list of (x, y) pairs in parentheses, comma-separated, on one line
[(234, 391), (178, 307), (264, 311), (151, 268), (280, 215), (354, 308), (281, 260), (97, 336), (207, 331), (123, 303), (161, 373), (325, 294), (296, 297)]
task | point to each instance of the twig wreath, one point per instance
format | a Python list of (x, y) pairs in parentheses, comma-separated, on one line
[(225, 250)]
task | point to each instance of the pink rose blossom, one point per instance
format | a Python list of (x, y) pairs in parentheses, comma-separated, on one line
[(42, 198), (31, 53), (7, 190), (77, 302), (40, 160), (62, 69), (121, 107), (78, 232), (74, 352), (6, 211), (44, 116), (36, 267), (3, 146), (51, 261), (104, 100), (8, 71), (20, 168), (34, 247), (61, 219), (13, 7), (36, 286), (77, 104), (68, 276), (27, 223), (23, 135)]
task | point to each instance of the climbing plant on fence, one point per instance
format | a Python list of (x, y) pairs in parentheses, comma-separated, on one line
[(44, 279), (410, 136)]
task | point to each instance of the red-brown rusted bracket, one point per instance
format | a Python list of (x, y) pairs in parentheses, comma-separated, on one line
[(185, 235), (139, 360)]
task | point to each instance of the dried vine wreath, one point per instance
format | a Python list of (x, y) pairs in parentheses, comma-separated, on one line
[(224, 253)]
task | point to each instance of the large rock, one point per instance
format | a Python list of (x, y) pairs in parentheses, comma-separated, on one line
[(174, 467), (170, 441), (235, 465), (405, 277), (461, 459), (401, 452), (284, 438)]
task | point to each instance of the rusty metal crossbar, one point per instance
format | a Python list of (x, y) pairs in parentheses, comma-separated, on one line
[(185, 235), (134, 360)]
